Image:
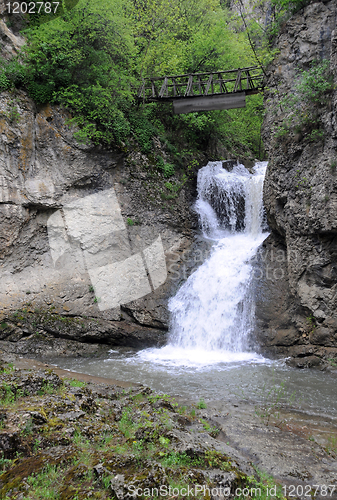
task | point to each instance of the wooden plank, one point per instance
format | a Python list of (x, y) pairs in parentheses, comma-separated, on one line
[(163, 89), (193, 84), (207, 103), (237, 85), (174, 87), (189, 86), (141, 92), (154, 89), (204, 74)]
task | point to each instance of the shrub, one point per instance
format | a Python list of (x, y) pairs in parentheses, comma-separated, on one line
[(302, 106)]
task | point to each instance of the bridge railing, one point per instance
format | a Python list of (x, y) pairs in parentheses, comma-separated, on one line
[(168, 88)]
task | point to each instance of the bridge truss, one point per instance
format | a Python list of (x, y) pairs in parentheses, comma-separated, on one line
[(203, 91)]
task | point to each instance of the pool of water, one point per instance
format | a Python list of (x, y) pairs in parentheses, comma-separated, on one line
[(254, 379)]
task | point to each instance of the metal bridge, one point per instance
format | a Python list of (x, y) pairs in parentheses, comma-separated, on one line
[(204, 91)]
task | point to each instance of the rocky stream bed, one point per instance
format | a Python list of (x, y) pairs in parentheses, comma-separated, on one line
[(65, 435)]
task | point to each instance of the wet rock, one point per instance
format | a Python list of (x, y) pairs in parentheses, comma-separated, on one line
[(300, 194), (92, 450), (39, 380), (306, 362), (88, 405), (117, 485), (99, 470), (10, 443), (49, 266), (72, 415), (38, 418), (10, 332)]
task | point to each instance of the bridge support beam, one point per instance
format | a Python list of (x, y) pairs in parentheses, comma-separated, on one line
[(207, 103)]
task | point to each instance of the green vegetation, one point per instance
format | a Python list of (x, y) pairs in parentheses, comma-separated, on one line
[(76, 383), (9, 367), (130, 221), (201, 404), (280, 12), (212, 430), (12, 115), (331, 447), (289, 6), (67, 454), (45, 483), (312, 91), (332, 362), (264, 487), (92, 58)]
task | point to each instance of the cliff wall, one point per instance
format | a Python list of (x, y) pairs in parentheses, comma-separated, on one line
[(298, 298), (92, 243)]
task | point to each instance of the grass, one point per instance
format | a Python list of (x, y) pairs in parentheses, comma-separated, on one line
[(9, 393), (212, 430), (47, 388), (44, 485), (5, 464), (76, 383), (201, 405), (130, 435), (176, 459), (126, 425)]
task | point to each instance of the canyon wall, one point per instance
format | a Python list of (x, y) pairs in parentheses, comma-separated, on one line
[(298, 293), (92, 243)]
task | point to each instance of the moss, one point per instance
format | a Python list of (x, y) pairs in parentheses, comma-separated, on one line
[(27, 467), (129, 436)]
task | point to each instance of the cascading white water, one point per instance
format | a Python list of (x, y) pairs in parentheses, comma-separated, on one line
[(213, 312)]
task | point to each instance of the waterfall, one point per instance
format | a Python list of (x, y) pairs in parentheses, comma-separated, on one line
[(212, 314)]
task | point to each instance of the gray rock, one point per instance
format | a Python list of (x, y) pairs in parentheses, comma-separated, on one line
[(84, 233), (297, 303), (117, 486)]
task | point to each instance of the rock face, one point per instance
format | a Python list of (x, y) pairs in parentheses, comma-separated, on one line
[(297, 310), (89, 249)]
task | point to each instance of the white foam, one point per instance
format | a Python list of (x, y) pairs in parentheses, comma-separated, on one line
[(213, 313), (175, 356)]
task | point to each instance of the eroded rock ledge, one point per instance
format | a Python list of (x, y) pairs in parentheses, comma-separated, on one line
[(75, 220)]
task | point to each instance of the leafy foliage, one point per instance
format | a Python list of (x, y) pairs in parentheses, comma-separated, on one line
[(301, 107), (81, 61), (92, 58), (291, 6)]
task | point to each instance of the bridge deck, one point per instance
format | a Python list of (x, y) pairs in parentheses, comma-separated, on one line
[(171, 88)]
